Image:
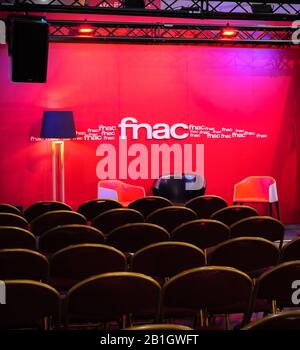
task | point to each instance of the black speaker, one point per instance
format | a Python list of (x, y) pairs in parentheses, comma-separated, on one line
[(28, 48), (134, 4)]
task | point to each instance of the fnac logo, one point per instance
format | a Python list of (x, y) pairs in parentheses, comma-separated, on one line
[(2, 293)]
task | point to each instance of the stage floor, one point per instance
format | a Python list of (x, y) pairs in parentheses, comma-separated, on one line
[(291, 232)]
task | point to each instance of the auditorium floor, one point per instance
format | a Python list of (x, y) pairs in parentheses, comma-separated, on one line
[(291, 231)]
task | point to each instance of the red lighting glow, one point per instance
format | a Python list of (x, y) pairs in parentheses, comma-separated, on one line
[(86, 30), (228, 33)]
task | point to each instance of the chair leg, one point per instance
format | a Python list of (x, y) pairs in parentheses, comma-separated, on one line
[(277, 210), (227, 322), (270, 209)]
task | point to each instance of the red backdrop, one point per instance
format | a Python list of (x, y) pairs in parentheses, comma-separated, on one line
[(254, 89)]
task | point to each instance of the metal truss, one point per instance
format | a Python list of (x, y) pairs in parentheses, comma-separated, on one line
[(224, 9), (168, 33)]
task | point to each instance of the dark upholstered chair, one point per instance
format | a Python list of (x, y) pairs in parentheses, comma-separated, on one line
[(148, 205), (95, 207), (171, 217), (39, 208), (205, 206), (179, 188)]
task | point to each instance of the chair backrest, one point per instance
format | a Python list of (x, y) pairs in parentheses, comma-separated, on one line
[(55, 218), (247, 254), (205, 206), (95, 207), (28, 303), (113, 218), (256, 188), (39, 208), (212, 288), (179, 187), (171, 217), (291, 250), (9, 219), (149, 204), (276, 283), (111, 295), (258, 226), (203, 233), (77, 262), (132, 237), (232, 214), (63, 236), (23, 264), (286, 320), (7, 208), (160, 327), (120, 191), (16, 237), (167, 259)]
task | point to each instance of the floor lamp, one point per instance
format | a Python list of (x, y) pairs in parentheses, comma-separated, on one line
[(58, 126)]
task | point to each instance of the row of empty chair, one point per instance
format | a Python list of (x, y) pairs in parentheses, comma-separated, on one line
[(204, 206), (204, 233), (168, 216), (162, 260), (108, 297)]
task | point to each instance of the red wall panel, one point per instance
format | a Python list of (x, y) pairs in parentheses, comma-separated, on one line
[(255, 89)]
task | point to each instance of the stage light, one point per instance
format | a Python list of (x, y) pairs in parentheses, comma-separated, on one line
[(86, 31), (228, 33)]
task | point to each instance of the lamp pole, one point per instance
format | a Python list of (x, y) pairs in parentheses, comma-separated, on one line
[(58, 171)]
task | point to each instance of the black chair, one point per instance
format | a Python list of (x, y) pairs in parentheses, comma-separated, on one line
[(159, 327), (132, 237), (77, 262), (110, 296), (16, 237), (275, 286), (114, 218), (203, 233), (39, 208), (214, 289), (286, 320), (232, 214), (95, 207), (63, 236), (252, 255), (166, 259), (205, 206), (291, 250), (179, 188), (258, 226), (148, 205), (23, 264), (30, 304), (171, 217), (9, 219), (7, 208), (55, 218)]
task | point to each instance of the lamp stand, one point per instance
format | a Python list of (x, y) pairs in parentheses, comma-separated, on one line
[(58, 171)]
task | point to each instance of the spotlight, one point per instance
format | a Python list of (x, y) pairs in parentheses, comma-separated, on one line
[(261, 8), (228, 33), (86, 30)]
